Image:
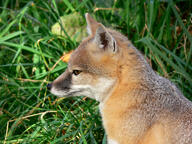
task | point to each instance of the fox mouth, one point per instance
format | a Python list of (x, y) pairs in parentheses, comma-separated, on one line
[(65, 93)]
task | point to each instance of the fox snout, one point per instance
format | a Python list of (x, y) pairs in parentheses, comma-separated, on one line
[(49, 86), (62, 85)]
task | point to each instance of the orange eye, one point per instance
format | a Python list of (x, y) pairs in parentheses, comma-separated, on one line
[(76, 72)]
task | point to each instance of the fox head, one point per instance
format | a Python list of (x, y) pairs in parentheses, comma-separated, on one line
[(101, 62)]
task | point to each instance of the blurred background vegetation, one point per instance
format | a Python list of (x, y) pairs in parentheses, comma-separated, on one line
[(35, 34)]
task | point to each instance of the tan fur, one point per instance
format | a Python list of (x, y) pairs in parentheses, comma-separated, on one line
[(154, 135), (137, 106)]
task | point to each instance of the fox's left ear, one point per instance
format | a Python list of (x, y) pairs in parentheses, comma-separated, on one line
[(91, 24), (105, 40)]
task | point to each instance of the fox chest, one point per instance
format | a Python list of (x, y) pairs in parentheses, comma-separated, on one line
[(124, 127)]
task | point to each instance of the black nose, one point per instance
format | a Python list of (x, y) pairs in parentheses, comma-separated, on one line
[(49, 86)]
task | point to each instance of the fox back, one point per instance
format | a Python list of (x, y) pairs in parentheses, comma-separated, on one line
[(137, 105)]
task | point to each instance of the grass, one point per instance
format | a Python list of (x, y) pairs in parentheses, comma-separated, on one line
[(30, 53)]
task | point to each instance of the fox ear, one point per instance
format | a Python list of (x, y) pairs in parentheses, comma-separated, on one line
[(105, 40), (91, 24)]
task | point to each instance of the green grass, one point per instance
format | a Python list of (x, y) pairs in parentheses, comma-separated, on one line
[(29, 52)]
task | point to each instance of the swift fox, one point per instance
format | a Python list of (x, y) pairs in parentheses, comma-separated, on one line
[(137, 105)]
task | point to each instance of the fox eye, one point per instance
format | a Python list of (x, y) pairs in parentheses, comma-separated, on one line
[(76, 72)]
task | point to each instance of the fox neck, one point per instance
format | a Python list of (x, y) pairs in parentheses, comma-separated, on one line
[(123, 94), (123, 99), (132, 74), (103, 89), (127, 95)]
